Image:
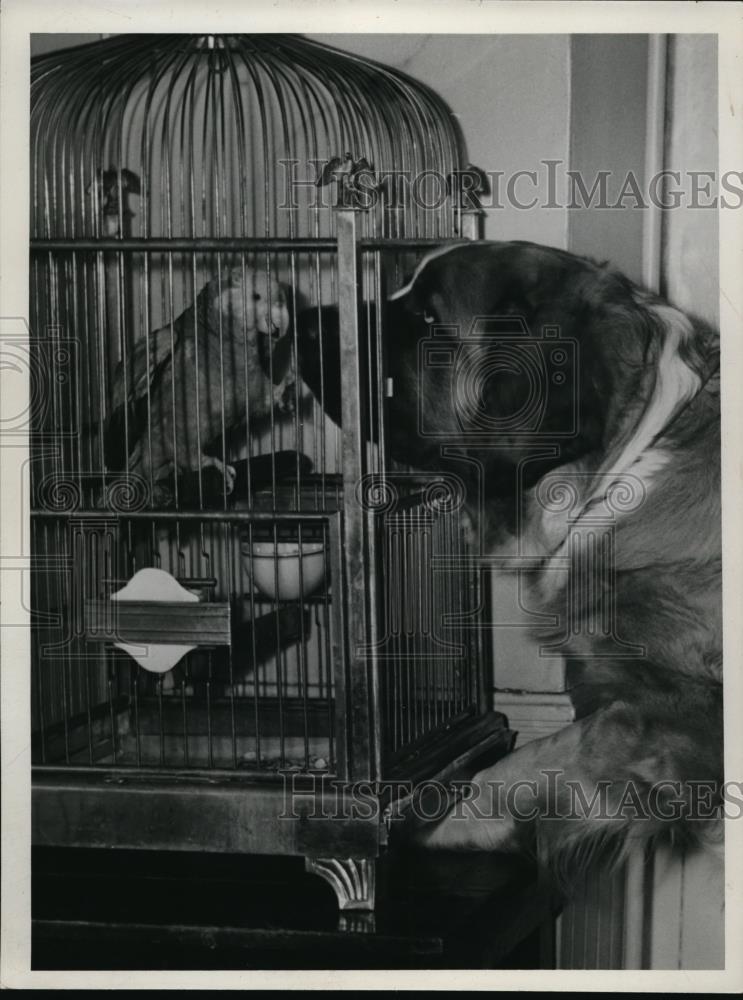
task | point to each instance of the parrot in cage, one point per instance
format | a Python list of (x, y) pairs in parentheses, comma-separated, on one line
[(187, 384)]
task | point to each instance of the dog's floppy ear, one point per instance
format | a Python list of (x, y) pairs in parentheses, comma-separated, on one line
[(422, 299), (433, 293), (429, 307), (492, 279)]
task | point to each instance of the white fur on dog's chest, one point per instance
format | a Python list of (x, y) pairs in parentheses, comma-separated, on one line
[(628, 473)]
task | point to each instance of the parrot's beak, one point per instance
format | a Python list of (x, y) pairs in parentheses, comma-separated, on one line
[(273, 332)]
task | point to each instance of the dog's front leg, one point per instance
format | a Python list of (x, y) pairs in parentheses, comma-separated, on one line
[(626, 771), (502, 799)]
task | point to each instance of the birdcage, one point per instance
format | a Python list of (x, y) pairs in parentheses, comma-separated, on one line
[(241, 604)]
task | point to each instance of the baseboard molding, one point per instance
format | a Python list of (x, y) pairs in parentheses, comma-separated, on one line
[(535, 714)]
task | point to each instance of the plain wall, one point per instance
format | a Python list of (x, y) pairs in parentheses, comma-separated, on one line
[(608, 133), (691, 242)]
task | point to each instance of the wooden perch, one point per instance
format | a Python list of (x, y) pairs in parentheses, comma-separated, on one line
[(158, 622), (271, 632)]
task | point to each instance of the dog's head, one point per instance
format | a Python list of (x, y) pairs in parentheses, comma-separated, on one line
[(619, 339)]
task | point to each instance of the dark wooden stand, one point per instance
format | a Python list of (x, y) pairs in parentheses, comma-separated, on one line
[(152, 910)]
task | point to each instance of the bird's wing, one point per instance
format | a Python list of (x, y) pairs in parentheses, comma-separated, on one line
[(147, 372), (326, 174), (143, 367), (148, 361)]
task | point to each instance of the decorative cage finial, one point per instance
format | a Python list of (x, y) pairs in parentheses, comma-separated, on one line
[(356, 180)]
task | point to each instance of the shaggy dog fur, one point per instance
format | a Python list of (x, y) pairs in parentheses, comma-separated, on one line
[(640, 624)]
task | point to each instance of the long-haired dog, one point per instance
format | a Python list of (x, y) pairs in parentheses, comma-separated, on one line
[(590, 409)]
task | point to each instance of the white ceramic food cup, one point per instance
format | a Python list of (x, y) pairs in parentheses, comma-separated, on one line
[(276, 568)]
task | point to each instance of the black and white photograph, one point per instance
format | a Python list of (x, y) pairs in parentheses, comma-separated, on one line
[(368, 465)]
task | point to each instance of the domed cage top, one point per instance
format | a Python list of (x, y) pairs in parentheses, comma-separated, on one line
[(227, 136), (231, 577)]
